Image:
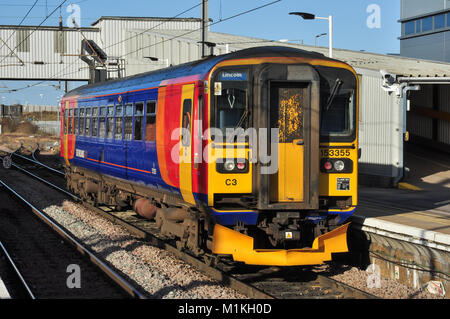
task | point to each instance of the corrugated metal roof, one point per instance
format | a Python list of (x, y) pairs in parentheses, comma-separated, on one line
[(357, 59)]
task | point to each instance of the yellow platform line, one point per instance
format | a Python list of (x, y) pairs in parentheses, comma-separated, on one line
[(408, 186)]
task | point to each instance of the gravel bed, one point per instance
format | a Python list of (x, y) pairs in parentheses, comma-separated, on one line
[(388, 289), (161, 274), (155, 270)]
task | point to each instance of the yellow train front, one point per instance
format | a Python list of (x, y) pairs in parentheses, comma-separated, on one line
[(290, 175), (251, 154)]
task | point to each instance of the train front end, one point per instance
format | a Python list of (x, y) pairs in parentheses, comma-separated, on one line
[(283, 151)]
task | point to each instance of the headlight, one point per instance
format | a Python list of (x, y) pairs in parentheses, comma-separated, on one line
[(229, 166), (339, 166)]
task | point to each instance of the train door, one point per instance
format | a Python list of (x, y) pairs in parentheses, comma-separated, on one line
[(64, 131), (185, 167), (289, 99), (287, 104), (68, 132)]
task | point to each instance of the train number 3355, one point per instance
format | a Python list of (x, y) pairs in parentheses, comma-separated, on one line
[(335, 153)]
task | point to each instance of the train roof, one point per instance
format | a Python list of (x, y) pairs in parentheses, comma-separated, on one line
[(200, 67)]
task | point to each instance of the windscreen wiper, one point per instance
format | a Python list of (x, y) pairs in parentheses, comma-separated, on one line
[(334, 92), (241, 120)]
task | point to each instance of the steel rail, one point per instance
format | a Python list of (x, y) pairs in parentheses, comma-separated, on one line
[(46, 182), (17, 271), (118, 279), (249, 290), (35, 161)]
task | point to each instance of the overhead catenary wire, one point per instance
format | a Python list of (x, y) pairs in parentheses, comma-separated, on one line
[(20, 23), (209, 25), (37, 28), (175, 37)]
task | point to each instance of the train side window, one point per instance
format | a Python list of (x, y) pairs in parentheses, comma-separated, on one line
[(119, 122), (95, 121), (75, 121), (128, 130), (70, 126), (81, 125), (150, 121), (66, 114), (88, 122), (101, 124), (186, 124), (110, 123), (138, 120)]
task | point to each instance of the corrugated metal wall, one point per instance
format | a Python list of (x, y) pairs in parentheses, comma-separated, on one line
[(444, 106), (115, 32), (379, 127), (41, 53), (435, 98)]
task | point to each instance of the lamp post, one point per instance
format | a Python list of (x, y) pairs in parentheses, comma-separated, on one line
[(310, 16), (318, 36), (154, 59)]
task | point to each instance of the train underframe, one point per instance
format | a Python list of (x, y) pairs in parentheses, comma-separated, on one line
[(194, 228)]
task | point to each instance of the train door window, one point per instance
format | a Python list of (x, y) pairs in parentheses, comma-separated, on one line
[(119, 122), (75, 121), (150, 121), (70, 126), (88, 122), (186, 133), (199, 117), (128, 130), (95, 121), (101, 124), (138, 120), (66, 114), (110, 123), (81, 129)]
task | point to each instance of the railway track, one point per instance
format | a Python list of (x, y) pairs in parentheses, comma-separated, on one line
[(45, 263), (254, 282)]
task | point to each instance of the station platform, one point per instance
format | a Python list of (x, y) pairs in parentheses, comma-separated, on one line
[(405, 231), (420, 207)]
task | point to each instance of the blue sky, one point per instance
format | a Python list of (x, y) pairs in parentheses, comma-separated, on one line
[(351, 30)]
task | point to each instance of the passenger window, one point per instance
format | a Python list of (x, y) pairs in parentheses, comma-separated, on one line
[(138, 120), (150, 121), (128, 130), (88, 122), (102, 125), (95, 122), (75, 124), (119, 122), (186, 132), (110, 123), (81, 129)]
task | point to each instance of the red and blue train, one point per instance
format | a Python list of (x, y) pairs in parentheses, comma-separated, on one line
[(251, 154)]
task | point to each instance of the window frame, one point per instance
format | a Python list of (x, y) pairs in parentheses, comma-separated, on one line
[(136, 116), (110, 116), (88, 130), (116, 117), (150, 115)]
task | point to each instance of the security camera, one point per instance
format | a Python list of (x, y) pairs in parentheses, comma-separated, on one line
[(388, 77)]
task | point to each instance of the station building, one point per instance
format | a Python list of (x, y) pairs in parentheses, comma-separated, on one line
[(402, 99), (425, 29)]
